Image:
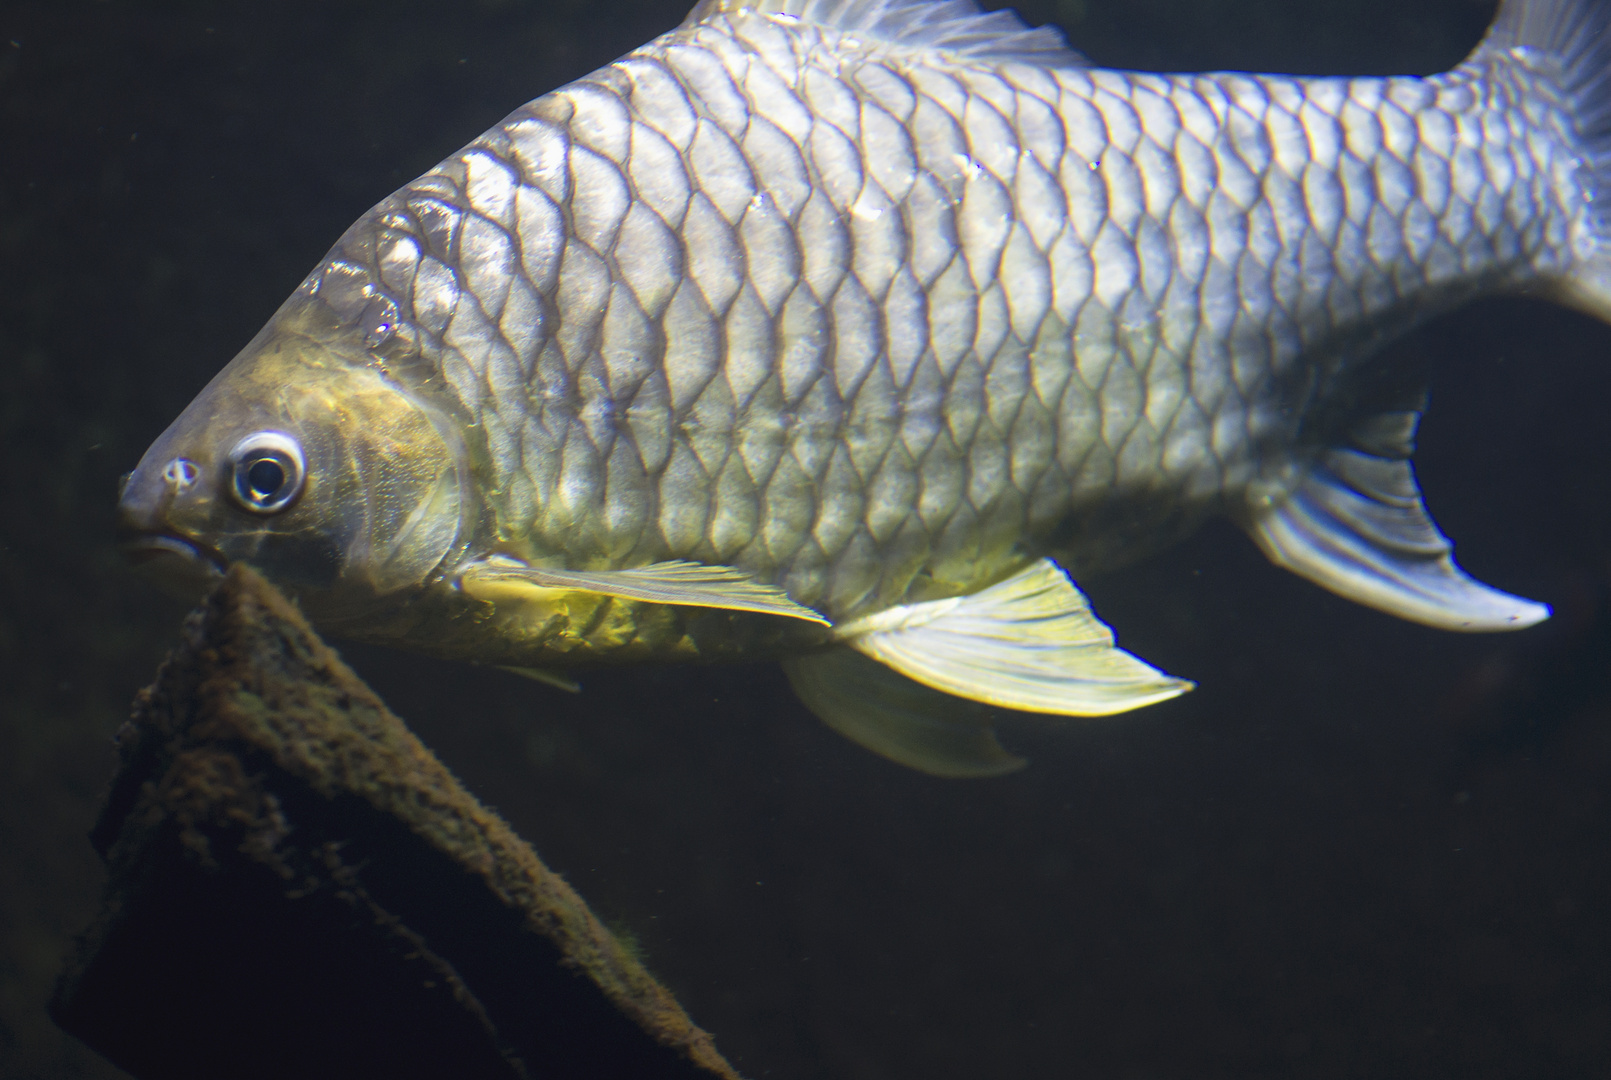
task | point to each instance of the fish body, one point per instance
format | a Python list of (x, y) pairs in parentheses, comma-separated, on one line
[(847, 330)]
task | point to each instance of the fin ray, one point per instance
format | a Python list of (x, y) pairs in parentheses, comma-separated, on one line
[(956, 25), (1030, 642), (677, 582), (1356, 525), (547, 676)]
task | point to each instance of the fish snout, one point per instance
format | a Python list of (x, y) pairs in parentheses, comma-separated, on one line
[(146, 533)]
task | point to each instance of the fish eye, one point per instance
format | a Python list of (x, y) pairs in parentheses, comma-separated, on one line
[(268, 471)]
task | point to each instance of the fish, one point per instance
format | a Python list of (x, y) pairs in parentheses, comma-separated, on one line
[(854, 333)]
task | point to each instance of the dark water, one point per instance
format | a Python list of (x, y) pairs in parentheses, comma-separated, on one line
[(1361, 849)]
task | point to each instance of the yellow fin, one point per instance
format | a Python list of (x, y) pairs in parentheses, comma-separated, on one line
[(891, 715), (547, 676), (1030, 643), (689, 584)]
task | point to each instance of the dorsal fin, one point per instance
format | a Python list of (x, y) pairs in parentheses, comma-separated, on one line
[(956, 25)]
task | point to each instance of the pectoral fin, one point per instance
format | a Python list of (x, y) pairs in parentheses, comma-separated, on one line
[(1356, 525), (904, 721), (1029, 642), (689, 584), (547, 676)]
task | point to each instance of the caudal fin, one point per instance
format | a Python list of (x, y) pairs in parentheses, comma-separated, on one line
[(1571, 40)]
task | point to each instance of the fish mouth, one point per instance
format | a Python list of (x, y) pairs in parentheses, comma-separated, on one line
[(180, 565), (141, 548)]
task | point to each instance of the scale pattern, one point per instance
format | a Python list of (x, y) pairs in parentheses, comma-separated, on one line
[(880, 323)]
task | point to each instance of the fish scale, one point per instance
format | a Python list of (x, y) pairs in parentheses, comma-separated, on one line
[(988, 319), (857, 313)]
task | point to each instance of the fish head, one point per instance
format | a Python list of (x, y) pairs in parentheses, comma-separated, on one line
[(309, 460)]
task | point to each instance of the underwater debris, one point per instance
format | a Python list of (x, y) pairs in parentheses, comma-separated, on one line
[(299, 887)]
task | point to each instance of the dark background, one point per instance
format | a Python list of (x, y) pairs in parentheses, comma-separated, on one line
[(1361, 848)]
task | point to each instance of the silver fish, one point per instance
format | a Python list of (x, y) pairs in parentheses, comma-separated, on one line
[(846, 331)]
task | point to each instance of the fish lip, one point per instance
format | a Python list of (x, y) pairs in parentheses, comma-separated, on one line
[(142, 547)]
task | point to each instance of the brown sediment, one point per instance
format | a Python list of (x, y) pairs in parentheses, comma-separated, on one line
[(289, 862)]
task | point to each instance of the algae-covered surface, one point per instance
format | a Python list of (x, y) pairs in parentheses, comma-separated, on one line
[(258, 757), (1359, 848)]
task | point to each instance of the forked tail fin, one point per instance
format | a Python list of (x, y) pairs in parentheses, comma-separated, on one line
[(1572, 40)]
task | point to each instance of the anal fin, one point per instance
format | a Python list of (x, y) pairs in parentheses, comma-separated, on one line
[(904, 721), (1356, 525), (1030, 642)]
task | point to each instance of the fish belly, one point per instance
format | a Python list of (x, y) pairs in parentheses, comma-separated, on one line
[(879, 324)]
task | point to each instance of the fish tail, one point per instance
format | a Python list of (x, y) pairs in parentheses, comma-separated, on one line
[(1571, 41)]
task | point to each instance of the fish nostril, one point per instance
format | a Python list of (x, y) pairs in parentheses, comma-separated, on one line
[(180, 473)]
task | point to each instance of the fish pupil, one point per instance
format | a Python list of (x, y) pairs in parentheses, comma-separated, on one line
[(265, 477)]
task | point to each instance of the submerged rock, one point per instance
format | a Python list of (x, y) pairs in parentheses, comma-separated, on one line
[(299, 887)]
